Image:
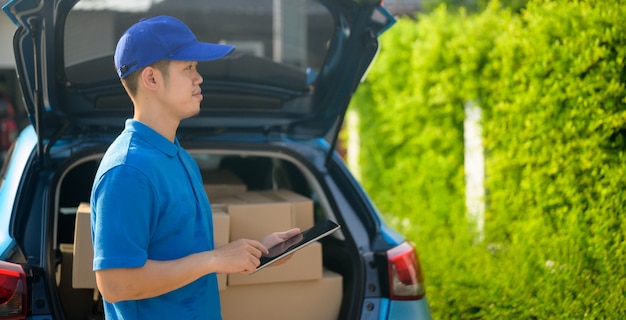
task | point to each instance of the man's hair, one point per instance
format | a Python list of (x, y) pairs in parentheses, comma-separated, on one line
[(131, 81)]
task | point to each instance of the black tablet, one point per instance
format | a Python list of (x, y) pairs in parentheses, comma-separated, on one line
[(297, 242)]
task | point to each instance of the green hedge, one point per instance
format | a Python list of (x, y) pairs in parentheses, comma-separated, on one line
[(551, 82)]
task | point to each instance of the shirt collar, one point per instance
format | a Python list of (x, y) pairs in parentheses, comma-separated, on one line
[(154, 138)]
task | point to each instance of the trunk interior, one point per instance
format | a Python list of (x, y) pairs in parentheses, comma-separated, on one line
[(258, 173)]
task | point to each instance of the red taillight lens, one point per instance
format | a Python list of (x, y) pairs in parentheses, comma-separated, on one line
[(12, 291), (406, 280)]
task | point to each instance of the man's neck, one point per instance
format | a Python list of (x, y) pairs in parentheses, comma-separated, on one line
[(161, 124)]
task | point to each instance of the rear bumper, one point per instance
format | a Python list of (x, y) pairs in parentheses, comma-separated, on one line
[(393, 309)]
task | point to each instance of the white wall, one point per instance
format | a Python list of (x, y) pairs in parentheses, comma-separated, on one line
[(7, 28), (474, 168)]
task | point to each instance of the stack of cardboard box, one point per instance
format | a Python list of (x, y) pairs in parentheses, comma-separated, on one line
[(300, 288)]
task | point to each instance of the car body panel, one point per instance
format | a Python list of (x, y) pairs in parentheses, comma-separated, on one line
[(19, 157), (417, 309)]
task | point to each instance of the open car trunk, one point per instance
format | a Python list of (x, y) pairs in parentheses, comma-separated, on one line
[(251, 194)]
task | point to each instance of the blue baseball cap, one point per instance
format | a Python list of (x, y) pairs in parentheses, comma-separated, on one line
[(162, 38)]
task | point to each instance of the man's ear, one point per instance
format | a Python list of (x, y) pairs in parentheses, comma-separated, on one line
[(149, 78)]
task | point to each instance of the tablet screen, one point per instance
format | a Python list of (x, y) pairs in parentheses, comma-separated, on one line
[(297, 242)]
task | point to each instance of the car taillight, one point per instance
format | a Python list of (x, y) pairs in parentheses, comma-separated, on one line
[(406, 280), (12, 291)]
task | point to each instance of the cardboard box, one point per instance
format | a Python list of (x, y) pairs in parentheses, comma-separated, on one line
[(252, 220), (302, 300), (83, 275), (77, 303), (219, 207), (304, 264), (221, 228), (221, 236), (301, 206), (218, 183)]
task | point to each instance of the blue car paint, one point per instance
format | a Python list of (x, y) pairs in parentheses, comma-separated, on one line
[(398, 310), (26, 142), (7, 11), (391, 236), (13, 6)]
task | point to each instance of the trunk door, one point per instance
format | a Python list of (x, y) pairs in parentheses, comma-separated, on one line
[(296, 65)]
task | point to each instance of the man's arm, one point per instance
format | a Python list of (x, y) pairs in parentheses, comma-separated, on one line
[(155, 277)]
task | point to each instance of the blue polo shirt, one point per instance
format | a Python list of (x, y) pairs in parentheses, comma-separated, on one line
[(148, 202)]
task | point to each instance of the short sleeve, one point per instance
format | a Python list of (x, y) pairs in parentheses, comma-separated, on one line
[(122, 215)]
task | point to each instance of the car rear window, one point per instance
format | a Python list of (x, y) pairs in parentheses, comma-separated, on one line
[(282, 39)]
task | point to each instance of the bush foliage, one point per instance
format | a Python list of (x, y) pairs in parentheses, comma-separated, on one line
[(551, 82)]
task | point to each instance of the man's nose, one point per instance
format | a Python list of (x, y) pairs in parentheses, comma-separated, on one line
[(198, 78)]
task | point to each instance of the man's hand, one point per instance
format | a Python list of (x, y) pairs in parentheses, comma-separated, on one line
[(240, 256), (278, 238)]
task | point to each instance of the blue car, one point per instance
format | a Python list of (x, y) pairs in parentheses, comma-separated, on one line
[(269, 122)]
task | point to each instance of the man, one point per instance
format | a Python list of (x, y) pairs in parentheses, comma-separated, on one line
[(152, 231)]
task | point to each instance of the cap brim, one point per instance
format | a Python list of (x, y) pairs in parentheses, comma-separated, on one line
[(202, 51)]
